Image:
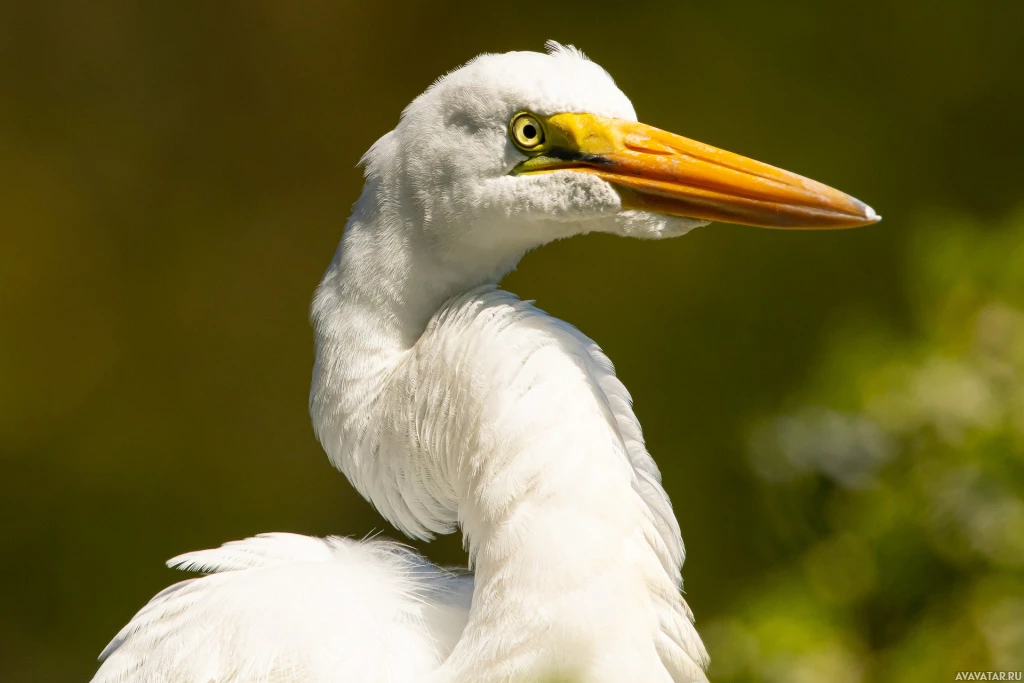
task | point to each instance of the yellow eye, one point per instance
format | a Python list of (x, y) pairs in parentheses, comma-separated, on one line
[(526, 131)]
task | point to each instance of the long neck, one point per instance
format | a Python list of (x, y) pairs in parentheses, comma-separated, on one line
[(386, 280), (381, 288), (576, 550), (574, 579), (513, 424), (370, 311)]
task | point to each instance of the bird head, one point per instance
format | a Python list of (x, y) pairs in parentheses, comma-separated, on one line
[(515, 150)]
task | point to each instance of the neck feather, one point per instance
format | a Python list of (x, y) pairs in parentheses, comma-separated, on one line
[(446, 402), (385, 283)]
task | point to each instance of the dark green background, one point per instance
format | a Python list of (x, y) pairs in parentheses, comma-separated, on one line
[(174, 179)]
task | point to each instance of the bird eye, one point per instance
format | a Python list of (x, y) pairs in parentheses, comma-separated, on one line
[(526, 131)]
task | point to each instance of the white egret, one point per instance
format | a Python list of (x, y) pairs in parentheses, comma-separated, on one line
[(448, 403)]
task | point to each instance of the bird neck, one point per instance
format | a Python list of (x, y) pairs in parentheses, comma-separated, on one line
[(443, 403), (388, 277), (380, 291), (569, 580), (577, 554)]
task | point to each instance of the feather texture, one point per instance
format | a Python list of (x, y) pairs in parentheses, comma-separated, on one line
[(449, 403), (284, 608)]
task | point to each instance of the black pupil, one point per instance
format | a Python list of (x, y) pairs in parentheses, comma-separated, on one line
[(529, 131)]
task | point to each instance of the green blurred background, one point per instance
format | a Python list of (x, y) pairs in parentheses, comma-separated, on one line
[(839, 416)]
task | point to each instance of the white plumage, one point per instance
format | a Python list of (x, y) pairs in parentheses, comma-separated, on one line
[(450, 403), (283, 607)]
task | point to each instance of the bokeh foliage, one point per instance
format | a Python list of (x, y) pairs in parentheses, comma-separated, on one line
[(174, 178), (897, 477)]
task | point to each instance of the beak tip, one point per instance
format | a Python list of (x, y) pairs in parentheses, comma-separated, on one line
[(868, 216)]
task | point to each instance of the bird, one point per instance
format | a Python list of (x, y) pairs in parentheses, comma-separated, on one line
[(450, 404)]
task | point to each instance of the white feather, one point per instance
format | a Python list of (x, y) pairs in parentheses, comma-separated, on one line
[(450, 403), (283, 607)]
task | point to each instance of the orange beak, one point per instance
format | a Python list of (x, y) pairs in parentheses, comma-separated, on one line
[(654, 170)]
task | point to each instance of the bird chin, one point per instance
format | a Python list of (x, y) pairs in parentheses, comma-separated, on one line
[(652, 226)]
